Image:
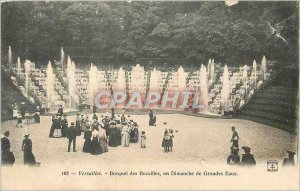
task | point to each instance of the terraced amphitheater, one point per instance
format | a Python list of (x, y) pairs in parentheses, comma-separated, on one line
[(276, 104), (9, 95)]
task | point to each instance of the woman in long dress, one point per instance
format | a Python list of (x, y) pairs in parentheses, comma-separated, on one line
[(103, 140), (83, 124), (64, 126), (118, 134), (87, 146), (125, 136), (151, 118), (134, 133), (29, 158), (112, 141), (96, 149)]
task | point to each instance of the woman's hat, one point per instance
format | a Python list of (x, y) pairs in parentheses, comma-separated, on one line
[(6, 133), (246, 149), (291, 153), (26, 135)]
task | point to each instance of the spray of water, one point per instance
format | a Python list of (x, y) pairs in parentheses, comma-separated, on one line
[(225, 89), (204, 88), (50, 85)]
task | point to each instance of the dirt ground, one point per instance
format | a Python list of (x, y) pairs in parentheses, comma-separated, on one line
[(201, 145), (198, 139)]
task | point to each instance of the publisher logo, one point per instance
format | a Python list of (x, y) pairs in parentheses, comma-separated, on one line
[(272, 165)]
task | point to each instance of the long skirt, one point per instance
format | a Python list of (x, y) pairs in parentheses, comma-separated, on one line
[(87, 146), (112, 141), (29, 158), (96, 149), (166, 143), (134, 136), (103, 144), (64, 130), (170, 142), (118, 136), (151, 122), (125, 140), (7, 158)]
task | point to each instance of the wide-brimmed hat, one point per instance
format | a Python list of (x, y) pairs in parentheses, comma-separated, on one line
[(246, 149), (6, 133), (26, 135), (291, 153)]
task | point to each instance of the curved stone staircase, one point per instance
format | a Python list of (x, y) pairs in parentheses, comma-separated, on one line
[(9, 95), (276, 104)]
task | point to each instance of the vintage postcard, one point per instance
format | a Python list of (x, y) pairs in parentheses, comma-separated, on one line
[(149, 95)]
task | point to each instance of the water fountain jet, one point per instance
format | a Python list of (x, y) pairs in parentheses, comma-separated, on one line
[(204, 88), (50, 85), (9, 57), (225, 89)]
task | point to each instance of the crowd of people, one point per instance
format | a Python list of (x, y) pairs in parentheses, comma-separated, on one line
[(111, 130), (23, 117), (98, 132)]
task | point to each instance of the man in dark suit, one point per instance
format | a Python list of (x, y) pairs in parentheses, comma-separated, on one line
[(247, 158), (72, 137), (289, 161)]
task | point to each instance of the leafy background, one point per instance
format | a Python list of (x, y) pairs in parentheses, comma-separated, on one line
[(162, 34)]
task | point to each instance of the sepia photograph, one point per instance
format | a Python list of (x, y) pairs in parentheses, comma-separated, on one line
[(149, 95)]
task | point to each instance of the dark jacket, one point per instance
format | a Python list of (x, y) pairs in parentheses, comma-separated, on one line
[(248, 160), (5, 144), (72, 132)]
